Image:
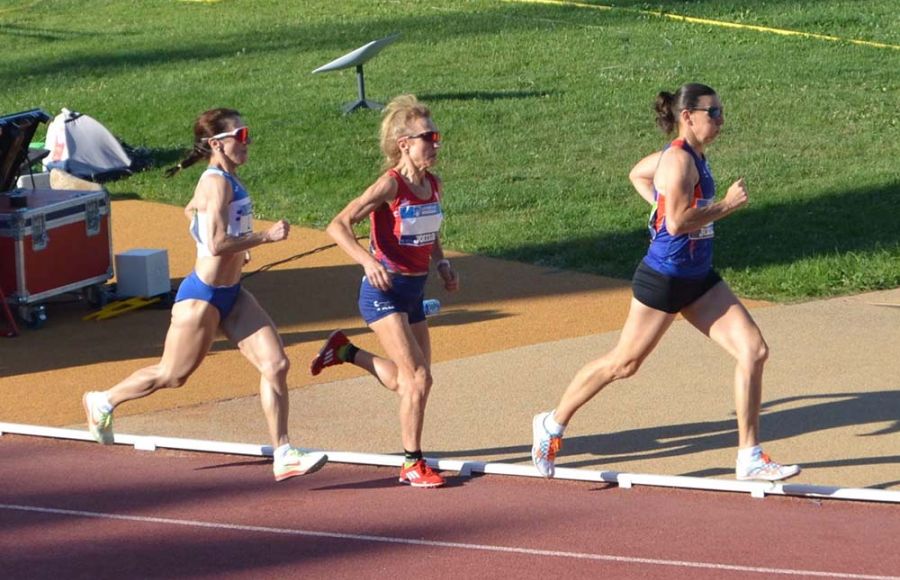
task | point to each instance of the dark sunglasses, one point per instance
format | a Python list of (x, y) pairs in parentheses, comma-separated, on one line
[(242, 134), (428, 136), (713, 112)]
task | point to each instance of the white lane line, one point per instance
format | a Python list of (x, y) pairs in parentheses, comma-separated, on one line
[(438, 544)]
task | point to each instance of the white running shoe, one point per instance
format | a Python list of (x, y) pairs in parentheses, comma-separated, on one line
[(544, 446), (763, 468), (294, 462), (100, 423)]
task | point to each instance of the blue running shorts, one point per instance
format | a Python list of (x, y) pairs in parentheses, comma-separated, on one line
[(404, 297), (222, 297)]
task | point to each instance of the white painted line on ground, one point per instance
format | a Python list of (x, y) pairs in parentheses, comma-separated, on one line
[(439, 544), (757, 489)]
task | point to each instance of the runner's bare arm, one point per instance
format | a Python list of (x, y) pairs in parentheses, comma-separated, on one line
[(217, 193), (641, 176), (445, 270), (677, 176), (189, 210), (384, 190)]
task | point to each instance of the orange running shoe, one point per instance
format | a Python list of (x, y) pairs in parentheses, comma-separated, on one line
[(420, 475), (328, 353)]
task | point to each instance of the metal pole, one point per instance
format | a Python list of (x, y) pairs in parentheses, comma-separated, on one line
[(361, 83), (13, 330)]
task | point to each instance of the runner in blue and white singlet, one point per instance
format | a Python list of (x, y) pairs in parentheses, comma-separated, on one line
[(240, 214), (210, 298)]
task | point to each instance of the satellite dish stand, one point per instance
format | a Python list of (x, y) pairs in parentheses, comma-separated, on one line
[(362, 102)]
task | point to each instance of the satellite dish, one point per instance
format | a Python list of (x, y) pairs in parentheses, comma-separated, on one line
[(356, 59)]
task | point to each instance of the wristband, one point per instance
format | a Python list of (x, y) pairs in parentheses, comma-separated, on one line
[(443, 262)]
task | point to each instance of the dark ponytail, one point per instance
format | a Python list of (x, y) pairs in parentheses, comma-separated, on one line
[(665, 117), (668, 105), (209, 123)]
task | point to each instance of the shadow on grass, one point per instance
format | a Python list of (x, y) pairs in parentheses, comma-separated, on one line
[(485, 95), (165, 157), (760, 235), (217, 43), (124, 195), (50, 34)]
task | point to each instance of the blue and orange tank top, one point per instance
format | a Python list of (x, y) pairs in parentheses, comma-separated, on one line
[(404, 231), (240, 214), (685, 255)]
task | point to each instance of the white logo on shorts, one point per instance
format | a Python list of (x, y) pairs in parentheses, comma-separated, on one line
[(382, 306)]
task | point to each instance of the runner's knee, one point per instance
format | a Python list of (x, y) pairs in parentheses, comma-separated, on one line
[(172, 379), (753, 352), (416, 383), (275, 366), (622, 369)]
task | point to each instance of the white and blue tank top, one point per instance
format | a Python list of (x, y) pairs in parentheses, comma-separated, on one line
[(240, 214)]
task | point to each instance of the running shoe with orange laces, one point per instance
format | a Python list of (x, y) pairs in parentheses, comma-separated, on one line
[(763, 468), (420, 475), (544, 446), (328, 354)]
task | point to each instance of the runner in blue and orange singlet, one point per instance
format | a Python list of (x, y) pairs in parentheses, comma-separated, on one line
[(676, 276)]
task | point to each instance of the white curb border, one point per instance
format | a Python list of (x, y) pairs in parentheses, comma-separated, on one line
[(757, 489)]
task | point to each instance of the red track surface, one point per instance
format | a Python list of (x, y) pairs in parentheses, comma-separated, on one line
[(79, 510)]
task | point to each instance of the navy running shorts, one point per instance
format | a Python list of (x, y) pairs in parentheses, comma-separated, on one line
[(404, 297)]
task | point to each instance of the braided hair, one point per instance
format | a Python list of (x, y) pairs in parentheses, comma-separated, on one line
[(209, 123)]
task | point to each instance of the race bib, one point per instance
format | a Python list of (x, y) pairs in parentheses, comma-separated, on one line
[(420, 224), (707, 231), (240, 217)]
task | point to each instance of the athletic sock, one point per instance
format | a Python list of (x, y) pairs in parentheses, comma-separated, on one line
[(410, 457), (347, 352), (280, 451), (749, 454), (552, 426), (104, 405)]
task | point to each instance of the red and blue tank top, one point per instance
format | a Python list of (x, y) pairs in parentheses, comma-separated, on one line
[(685, 255), (404, 230)]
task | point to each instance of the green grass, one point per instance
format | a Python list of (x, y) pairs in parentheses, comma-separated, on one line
[(544, 109)]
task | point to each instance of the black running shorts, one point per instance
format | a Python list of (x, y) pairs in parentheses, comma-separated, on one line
[(668, 293)]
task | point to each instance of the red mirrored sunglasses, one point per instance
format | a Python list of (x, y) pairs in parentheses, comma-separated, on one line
[(242, 134), (429, 136)]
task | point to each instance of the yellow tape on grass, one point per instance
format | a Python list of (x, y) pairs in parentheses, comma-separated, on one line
[(711, 22)]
